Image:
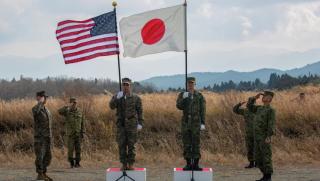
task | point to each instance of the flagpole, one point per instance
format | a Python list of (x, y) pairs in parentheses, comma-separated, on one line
[(186, 44), (114, 4)]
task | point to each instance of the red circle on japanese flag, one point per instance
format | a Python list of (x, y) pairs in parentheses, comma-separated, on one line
[(153, 31)]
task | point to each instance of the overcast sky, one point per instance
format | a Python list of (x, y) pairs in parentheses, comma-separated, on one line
[(241, 35)]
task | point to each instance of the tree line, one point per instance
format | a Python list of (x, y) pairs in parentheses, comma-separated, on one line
[(62, 86), (278, 82)]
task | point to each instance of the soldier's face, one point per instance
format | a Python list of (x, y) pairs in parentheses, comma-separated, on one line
[(126, 87), (267, 99), (191, 86)]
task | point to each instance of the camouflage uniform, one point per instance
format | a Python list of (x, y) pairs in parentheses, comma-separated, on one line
[(42, 137), (129, 114), (249, 129), (194, 110), (74, 131), (264, 120)]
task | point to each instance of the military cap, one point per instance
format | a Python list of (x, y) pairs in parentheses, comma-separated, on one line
[(268, 93), (72, 99), (191, 79), (42, 94), (126, 81)]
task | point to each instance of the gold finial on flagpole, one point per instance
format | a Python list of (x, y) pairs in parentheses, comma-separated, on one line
[(114, 4)]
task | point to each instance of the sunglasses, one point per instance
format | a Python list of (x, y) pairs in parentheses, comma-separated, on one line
[(125, 84)]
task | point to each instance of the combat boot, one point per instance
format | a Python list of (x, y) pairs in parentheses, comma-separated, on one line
[(196, 165), (47, 177), (72, 164), (251, 165), (268, 177), (130, 167), (77, 165), (124, 167), (41, 176), (263, 178), (188, 166)]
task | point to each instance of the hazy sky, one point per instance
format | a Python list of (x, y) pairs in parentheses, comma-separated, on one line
[(241, 35)]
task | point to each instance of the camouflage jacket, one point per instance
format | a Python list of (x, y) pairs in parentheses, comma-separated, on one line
[(193, 107), (42, 121), (264, 118), (248, 116), (74, 121), (128, 108)]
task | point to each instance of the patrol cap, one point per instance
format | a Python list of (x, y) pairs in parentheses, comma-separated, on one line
[(42, 94), (268, 93), (72, 100), (126, 81), (191, 79)]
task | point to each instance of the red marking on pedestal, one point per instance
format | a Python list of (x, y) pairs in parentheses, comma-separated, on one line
[(119, 170)]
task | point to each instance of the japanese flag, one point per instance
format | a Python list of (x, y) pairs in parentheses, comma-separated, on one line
[(154, 32)]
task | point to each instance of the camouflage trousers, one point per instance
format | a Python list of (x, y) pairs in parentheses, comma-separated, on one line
[(191, 142), (126, 139), (250, 145), (74, 146), (264, 156), (42, 149)]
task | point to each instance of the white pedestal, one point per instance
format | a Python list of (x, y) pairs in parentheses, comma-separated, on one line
[(138, 174), (205, 175)]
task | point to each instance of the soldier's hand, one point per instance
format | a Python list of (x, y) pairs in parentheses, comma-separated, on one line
[(268, 140), (258, 95), (119, 95), (185, 95), (241, 103), (202, 127), (139, 127)]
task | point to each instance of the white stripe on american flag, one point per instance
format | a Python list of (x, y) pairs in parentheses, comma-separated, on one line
[(88, 39), (90, 46), (91, 53), (77, 44), (72, 24)]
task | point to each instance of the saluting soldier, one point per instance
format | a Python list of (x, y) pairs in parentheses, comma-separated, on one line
[(264, 120), (249, 132), (193, 105), (42, 136), (129, 121), (74, 125)]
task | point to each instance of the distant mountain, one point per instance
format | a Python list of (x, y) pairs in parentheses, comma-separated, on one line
[(210, 78)]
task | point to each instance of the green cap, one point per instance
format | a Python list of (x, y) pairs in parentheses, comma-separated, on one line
[(268, 93), (126, 81), (72, 100), (42, 94), (191, 79)]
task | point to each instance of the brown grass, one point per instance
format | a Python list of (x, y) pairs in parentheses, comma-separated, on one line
[(296, 140)]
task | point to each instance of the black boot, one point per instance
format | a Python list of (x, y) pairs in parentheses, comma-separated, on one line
[(188, 166), (268, 177), (251, 165), (196, 166), (263, 178), (72, 164), (77, 165)]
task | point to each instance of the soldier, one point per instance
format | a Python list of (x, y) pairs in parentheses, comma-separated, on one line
[(264, 119), (74, 122), (249, 129), (193, 105), (130, 120), (42, 136)]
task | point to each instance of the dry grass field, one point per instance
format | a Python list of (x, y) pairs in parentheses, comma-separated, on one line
[(296, 141)]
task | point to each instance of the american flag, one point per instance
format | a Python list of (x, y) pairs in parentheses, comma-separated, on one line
[(88, 39)]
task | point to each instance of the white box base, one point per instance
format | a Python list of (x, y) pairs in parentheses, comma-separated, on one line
[(205, 175), (138, 174)]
